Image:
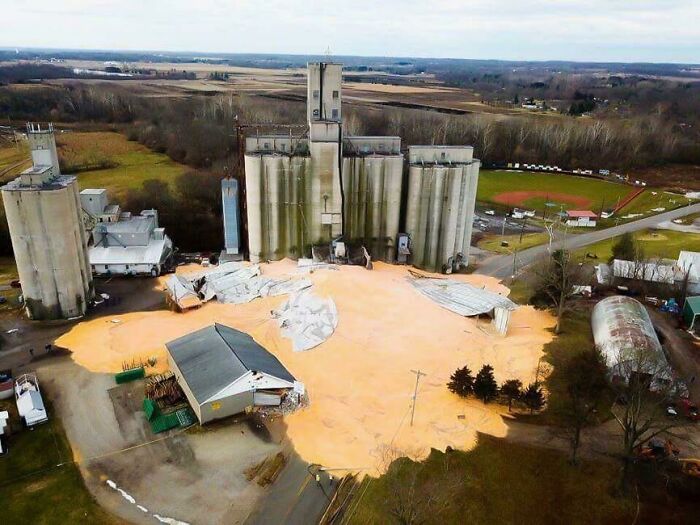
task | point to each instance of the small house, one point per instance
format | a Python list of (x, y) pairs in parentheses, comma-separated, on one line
[(581, 218)]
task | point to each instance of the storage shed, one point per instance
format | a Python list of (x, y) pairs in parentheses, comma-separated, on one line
[(224, 372), (691, 311), (625, 335)]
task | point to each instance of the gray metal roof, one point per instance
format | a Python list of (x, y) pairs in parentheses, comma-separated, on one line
[(57, 183), (461, 298), (212, 358), (137, 224)]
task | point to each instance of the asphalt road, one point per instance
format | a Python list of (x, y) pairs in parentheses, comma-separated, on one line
[(295, 498), (501, 266)]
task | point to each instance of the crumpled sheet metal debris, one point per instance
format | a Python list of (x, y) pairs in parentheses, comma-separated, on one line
[(232, 283), (310, 265), (182, 292), (461, 298), (307, 319)]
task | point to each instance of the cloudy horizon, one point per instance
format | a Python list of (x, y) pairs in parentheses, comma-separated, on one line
[(570, 30)]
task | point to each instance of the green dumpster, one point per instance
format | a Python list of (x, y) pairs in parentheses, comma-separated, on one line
[(130, 375)]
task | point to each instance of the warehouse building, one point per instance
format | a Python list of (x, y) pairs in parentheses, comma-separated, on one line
[(224, 372), (625, 335), (49, 243), (311, 188), (123, 244)]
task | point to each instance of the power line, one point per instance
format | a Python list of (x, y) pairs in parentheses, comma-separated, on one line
[(415, 392)]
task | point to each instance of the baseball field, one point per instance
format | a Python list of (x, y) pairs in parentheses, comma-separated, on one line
[(532, 190)]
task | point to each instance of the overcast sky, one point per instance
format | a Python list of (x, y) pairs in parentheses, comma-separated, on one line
[(601, 30)]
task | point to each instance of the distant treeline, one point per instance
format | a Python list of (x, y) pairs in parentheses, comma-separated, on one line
[(200, 131), (35, 72)]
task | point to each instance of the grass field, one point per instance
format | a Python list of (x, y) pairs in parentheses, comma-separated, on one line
[(647, 201), (595, 193), (101, 159), (127, 163), (34, 489), (492, 243), (654, 244), (496, 482), (8, 273), (13, 159)]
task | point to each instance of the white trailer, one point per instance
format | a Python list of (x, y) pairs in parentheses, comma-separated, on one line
[(30, 404)]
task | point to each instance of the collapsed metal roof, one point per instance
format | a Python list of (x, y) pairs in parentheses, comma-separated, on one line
[(461, 298)]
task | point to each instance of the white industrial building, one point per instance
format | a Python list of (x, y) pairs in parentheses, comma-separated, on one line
[(311, 188), (224, 372), (122, 243), (50, 245)]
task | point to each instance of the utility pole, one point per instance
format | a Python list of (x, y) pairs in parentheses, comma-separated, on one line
[(415, 392)]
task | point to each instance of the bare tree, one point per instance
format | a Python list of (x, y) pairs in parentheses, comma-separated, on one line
[(584, 385), (405, 501), (556, 278), (644, 384)]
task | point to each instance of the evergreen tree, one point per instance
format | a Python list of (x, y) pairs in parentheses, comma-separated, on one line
[(533, 397), (625, 248), (485, 386), (512, 389), (461, 382)]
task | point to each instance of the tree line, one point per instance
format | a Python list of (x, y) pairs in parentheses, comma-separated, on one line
[(199, 130)]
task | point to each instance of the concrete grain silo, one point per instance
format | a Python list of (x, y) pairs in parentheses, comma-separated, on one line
[(314, 188), (442, 184), (373, 201), (44, 218), (308, 191)]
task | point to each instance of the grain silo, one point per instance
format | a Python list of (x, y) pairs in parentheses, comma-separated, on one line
[(307, 191), (310, 189), (45, 223), (442, 185)]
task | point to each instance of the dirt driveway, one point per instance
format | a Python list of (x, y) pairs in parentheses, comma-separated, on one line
[(196, 476)]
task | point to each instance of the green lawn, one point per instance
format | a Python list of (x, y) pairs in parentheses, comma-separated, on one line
[(33, 488), (10, 156), (101, 159), (8, 273), (492, 243), (598, 193), (654, 243), (645, 203), (496, 482), (130, 162)]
